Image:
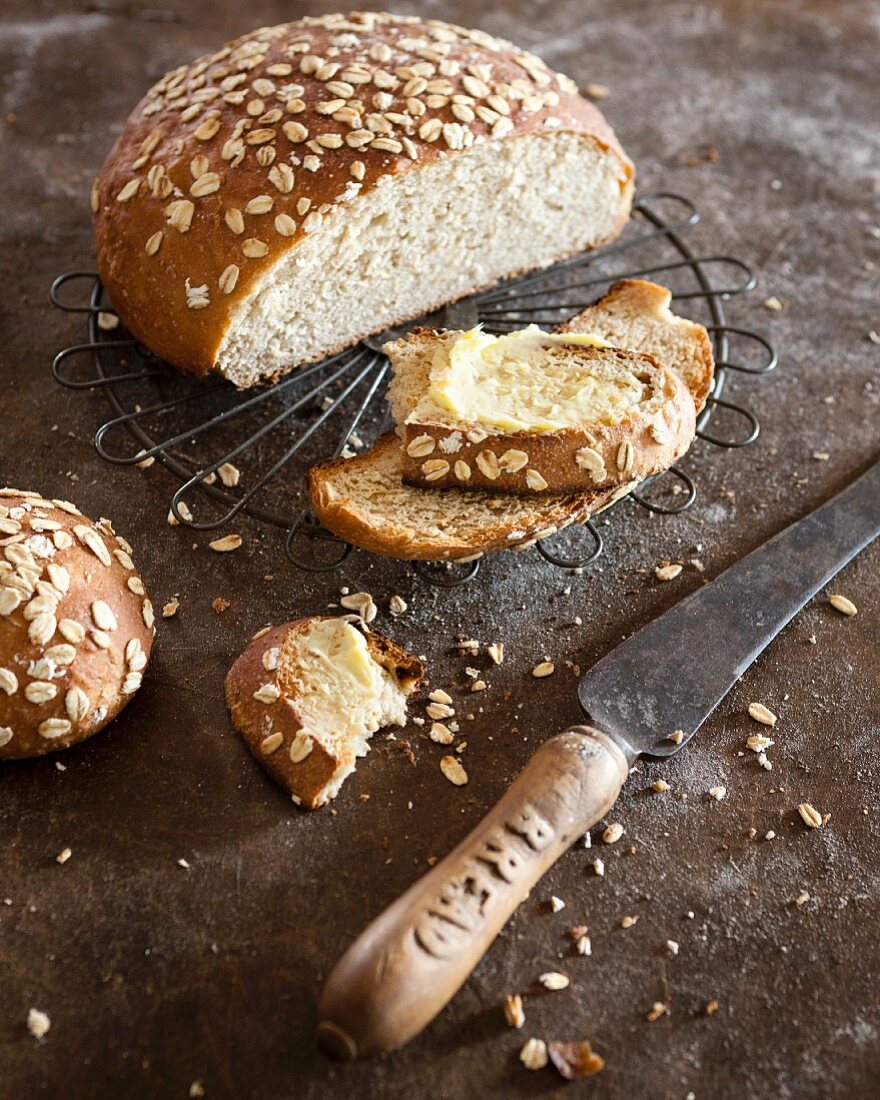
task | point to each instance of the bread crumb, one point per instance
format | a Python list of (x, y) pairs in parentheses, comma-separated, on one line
[(672, 947), (613, 833), (556, 904), (599, 866), (170, 609), (196, 1089), (668, 571), (220, 605), (775, 305), (553, 981), (718, 793), (676, 737), (38, 1022), (628, 922), (575, 1060), (660, 786), (229, 475), (397, 605), (64, 855), (597, 91), (496, 652), (658, 1009)]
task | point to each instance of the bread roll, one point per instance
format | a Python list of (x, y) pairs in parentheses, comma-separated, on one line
[(306, 696), (76, 626), (314, 182)]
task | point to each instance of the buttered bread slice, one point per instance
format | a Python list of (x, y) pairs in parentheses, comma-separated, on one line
[(533, 412)]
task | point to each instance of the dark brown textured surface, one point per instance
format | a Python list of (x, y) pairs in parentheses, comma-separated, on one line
[(155, 975)]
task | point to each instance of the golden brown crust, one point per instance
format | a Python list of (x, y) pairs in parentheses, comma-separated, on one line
[(76, 627), (308, 779), (417, 541), (653, 301), (574, 460), (241, 108)]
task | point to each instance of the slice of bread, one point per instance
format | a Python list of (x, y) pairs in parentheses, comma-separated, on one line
[(365, 501), (526, 413), (307, 695), (635, 314)]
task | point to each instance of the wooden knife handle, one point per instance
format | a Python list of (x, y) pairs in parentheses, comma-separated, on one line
[(415, 956)]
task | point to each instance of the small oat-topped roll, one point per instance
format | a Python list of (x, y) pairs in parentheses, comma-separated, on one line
[(311, 183), (76, 626)]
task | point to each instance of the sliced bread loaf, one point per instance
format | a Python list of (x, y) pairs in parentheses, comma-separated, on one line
[(307, 695), (534, 412), (365, 501)]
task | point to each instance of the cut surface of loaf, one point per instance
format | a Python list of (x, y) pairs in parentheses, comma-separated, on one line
[(533, 412), (635, 314), (307, 695), (317, 181), (365, 501)]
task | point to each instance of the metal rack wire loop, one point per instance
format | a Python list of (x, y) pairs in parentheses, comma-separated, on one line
[(197, 428)]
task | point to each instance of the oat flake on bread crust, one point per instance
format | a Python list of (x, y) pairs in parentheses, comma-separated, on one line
[(288, 158)]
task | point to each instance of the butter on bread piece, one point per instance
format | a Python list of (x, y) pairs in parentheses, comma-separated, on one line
[(535, 413), (307, 695), (365, 501), (635, 314)]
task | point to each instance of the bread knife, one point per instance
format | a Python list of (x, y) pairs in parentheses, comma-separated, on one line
[(669, 676)]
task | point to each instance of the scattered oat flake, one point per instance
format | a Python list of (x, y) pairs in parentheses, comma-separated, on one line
[(628, 922), (584, 945), (599, 866), (440, 733), (453, 771), (362, 604), (842, 604), (575, 1060), (170, 609), (64, 855), (226, 544), (397, 605), (229, 475), (545, 668), (775, 305), (658, 1009), (762, 714), (513, 1010), (38, 1022), (597, 91), (668, 572), (438, 695), (554, 981), (534, 1054), (496, 652), (810, 816)]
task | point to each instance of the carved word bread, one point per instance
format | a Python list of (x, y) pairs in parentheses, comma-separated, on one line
[(76, 626), (534, 412), (306, 696), (311, 183), (365, 501)]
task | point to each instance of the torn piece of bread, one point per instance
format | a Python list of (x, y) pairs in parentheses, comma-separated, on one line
[(364, 501), (635, 314), (307, 695), (314, 182), (532, 412)]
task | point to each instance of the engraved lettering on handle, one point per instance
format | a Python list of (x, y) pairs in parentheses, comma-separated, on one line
[(457, 911)]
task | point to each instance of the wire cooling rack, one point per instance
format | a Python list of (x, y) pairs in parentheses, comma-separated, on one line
[(248, 451)]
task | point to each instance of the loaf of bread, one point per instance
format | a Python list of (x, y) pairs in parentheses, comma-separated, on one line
[(533, 412), (306, 696), (365, 501), (311, 183), (76, 626)]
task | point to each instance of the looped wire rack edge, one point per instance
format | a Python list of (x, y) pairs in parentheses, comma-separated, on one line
[(285, 421)]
